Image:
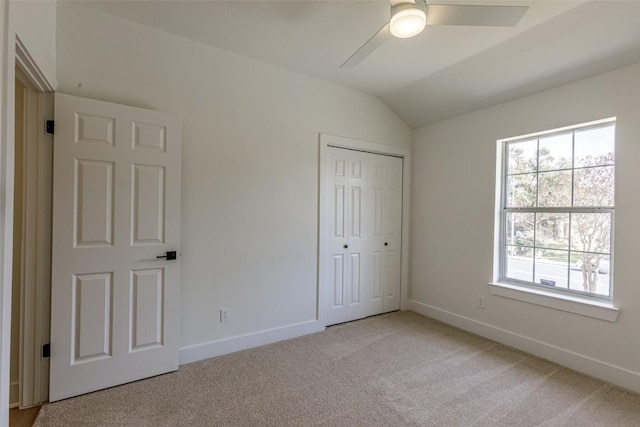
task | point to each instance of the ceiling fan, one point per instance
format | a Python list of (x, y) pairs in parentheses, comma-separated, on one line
[(409, 17)]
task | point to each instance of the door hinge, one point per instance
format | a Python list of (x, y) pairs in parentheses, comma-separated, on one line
[(49, 126), (46, 350)]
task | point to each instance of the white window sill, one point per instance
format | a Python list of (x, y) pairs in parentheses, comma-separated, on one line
[(573, 304)]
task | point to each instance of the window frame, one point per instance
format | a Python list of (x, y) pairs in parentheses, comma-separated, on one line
[(504, 212)]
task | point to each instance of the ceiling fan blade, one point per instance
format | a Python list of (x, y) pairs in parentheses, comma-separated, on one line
[(491, 16), (366, 49)]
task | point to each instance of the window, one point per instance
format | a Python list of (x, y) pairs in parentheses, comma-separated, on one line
[(557, 212)]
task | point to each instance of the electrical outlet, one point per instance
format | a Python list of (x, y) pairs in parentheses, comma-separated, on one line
[(225, 315), (480, 301)]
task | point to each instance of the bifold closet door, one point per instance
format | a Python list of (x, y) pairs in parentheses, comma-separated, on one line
[(385, 234), (364, 234), (345, 260)]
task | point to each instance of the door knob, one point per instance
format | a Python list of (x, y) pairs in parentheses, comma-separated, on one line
[(345, 246), (169, 255)]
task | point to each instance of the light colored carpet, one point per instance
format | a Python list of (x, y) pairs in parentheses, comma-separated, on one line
[(399, 369)]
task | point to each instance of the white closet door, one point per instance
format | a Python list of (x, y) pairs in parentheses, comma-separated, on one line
[(345, 261), (115, 305), (375, 233), (392, 246), (363, 233), (356, 298)]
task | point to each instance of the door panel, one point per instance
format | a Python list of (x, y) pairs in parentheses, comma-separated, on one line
[(339, 212), (116, 208), (377, 281), (356, 211), (91, 324), (147, 300), (149, 137), (354, 292), (90, 129), (378, 209), (338, 282), (93, 203), (147, 215)]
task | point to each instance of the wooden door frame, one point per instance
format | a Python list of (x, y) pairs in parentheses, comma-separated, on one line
[(325, 142), (7, 82), (13, 54), (35, 274)]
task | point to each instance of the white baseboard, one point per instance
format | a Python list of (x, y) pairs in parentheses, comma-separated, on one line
[(619, 376), (194, 353), (14, 395)]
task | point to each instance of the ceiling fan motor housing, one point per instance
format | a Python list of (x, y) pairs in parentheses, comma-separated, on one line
[(408, 19)]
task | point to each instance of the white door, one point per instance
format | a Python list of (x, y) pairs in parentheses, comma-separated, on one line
[(392, 232), (346, 242), (116, 209), (364, 234)]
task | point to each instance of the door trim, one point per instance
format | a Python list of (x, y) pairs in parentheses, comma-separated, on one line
[(325, 142), (7, 82), (35, 270), (26, 64), (13, 55)]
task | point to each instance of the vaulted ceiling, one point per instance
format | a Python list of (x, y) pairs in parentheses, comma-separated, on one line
[(443, 72)]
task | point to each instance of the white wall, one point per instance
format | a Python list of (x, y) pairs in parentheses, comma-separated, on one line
[(453, 218), (250, 154), (34, 22)]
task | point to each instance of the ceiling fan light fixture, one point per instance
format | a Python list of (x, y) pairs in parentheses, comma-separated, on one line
[(408, 19)]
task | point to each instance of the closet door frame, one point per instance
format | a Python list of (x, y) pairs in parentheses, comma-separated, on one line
[(325, 142)]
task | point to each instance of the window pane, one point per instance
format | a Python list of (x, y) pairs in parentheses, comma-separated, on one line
[(519, 228), (595, 147), (550, 239), (521, 191), (552, 230), (554, 189), (593, 186), (590, 273), (552, 268), (519, 263), (522, 156), (555, 152), (591, 232)]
